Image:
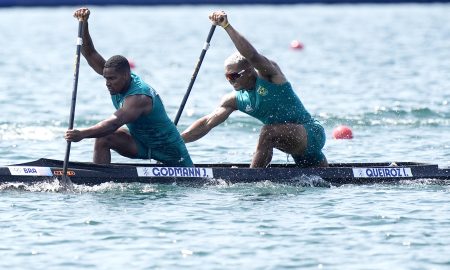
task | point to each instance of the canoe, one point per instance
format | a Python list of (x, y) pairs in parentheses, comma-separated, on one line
[(86, 173)]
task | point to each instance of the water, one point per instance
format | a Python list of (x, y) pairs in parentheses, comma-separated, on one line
[(381, 69)]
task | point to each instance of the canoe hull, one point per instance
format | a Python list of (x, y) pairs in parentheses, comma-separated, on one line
[(337, 174)]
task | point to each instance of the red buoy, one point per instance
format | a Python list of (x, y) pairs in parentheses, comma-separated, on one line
[(297, 45), (132, 64), (342, 132)]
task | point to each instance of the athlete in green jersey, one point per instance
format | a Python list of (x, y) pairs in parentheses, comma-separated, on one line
[(263, 92), (150, 133)]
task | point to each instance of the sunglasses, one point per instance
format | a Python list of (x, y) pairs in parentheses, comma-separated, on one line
[(235, 75)]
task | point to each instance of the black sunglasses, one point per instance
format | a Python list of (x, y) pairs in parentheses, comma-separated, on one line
[(234, 76)]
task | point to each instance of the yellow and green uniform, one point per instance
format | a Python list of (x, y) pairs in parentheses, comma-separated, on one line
[(279, 104), (155, 134)]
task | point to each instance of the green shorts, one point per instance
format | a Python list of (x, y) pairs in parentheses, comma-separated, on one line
[(175, 155), (316, 141)]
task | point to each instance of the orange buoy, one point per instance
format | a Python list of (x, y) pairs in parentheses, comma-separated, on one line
[(342, 132)]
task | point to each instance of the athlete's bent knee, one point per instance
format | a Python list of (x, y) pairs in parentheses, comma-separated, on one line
[(104, 142)]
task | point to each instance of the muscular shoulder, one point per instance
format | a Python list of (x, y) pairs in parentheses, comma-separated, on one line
[(229, 101), (272, 73), (138, 100)]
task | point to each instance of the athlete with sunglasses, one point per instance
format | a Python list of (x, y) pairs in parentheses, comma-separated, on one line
[(262, 91)]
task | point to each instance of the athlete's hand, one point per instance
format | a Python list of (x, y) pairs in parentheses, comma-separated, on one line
[(82, 14), (73, 135), (219, 18)]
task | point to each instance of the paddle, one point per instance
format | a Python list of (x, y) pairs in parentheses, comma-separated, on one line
[(194, 76), (74, 94)]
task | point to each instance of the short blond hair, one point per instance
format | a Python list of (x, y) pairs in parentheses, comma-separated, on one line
[(235, 58)]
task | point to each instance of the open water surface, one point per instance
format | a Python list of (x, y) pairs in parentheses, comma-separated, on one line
[(381, 69)]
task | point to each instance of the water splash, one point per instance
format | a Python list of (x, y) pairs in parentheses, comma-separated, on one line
[(56, 186)]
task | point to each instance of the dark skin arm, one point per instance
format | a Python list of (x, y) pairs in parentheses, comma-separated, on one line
[(133, 107), (94, 59), (202, 126), (266, 68)]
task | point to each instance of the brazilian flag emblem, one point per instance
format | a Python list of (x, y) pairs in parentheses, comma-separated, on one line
[(262, 91)]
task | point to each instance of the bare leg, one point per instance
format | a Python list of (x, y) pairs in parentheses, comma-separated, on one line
[(323, 163), (119, 141), (262, 157), (289, 138)]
